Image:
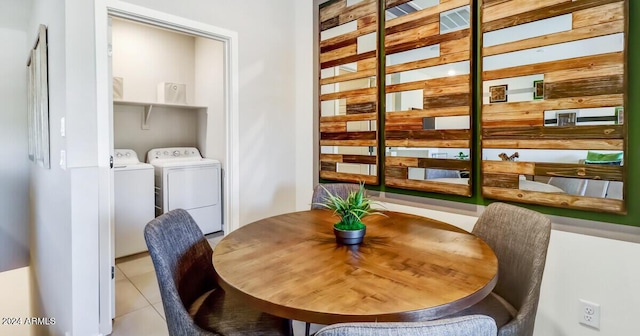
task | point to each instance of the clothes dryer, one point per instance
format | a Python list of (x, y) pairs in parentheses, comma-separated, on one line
[(186, 180)]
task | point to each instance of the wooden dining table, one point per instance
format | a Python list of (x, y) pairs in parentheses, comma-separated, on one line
[(408, 268)]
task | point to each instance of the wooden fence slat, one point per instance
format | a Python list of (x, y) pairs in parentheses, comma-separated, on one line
[(556, 199)]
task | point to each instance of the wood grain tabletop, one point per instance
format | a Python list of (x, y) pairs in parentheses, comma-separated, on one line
[(408, 268)]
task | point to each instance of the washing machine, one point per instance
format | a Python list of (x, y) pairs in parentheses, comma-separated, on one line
[(133, 201), (186, 180)]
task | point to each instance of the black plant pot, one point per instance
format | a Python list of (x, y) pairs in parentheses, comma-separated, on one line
[(349, 237)]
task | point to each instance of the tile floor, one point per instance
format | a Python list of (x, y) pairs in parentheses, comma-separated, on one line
[(138, 303)]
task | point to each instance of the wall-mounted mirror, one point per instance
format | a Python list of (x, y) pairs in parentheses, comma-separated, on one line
[(428, 95), (553, 103), (348, 92)]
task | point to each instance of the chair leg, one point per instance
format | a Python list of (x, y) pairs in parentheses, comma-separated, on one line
[(290, 325), (307, 328)]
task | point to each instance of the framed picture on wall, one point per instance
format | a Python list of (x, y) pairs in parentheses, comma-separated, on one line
[(498, 93), (38, 102)]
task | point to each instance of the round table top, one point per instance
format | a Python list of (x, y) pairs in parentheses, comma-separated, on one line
[(408, 268)]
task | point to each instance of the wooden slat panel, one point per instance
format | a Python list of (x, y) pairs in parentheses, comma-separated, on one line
[(489, 3), (511, 181), (456, 46), (431, 91), (606, 144), (345, 177), (361, 159), (398, 124), (337, 54), (446, 59), (349, 59), (393, 3), (401, 161), (551, 39), (404, 87), (588, 72), (349, 94), (463, 134), (367, 135), (359, 10), (541, 68), (428, 143), (606, 85), (438, 187), (333, 127), (427, 41), (515, 7), (343, 118), (330, 23), (397, 172), (328, 166), (436, 112), (332, 10), (598, 15), (452, 164), (508, 167), (331, 158), (348, 76), (514, 115), (367, 143), (555, 199), (556, 132), (418, 33), (543, 13), (452, 100), (361, 99), (556, 104), (430, 83), (586, 171), (361, 108), (513, 123)]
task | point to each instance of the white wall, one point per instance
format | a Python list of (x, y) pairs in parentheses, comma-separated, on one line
[(14, 172), (209, 91), (267, 95), (145, 56), (64, 227)]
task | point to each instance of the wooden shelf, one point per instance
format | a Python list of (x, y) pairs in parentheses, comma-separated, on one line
[(148, 107)]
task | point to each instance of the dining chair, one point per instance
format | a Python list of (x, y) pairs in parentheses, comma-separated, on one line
[(476, 325), (520, 238), (192, 301), (571, 186), (336, 189)]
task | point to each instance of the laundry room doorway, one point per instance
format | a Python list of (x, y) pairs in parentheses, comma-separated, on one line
[(167, 82)]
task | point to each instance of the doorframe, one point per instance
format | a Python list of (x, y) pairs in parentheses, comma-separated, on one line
[(231, 183)]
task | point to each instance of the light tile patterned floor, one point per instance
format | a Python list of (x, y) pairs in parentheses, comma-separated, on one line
[(139, 308)]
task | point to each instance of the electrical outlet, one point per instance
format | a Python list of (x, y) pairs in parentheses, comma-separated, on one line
[(589, 314)]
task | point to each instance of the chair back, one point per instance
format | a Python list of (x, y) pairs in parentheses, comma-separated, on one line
[(520, 238), (336, 189), (473, 325), (182, 259), (571, 186)]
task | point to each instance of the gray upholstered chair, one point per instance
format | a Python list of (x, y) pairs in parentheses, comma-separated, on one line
[(337, 189), (520, 238), (193, 303), (477, 325), (571, 186)]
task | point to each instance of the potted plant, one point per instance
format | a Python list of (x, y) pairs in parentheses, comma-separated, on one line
[(350, 230)]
